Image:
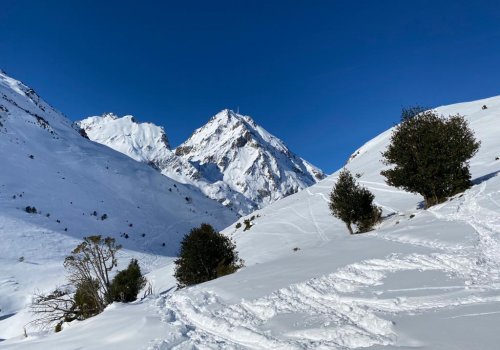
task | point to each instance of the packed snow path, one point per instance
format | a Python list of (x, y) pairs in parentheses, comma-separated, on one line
[(352, 307)]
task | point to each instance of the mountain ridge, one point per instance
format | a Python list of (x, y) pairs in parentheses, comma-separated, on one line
[(231, 159)]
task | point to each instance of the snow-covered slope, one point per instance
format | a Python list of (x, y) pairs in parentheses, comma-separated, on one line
[(426, 279), (72, 182), (231, 159)]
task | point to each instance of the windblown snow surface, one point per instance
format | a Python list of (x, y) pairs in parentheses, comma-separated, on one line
[(426, 279)]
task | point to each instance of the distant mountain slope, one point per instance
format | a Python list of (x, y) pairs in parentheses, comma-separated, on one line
[(72, 182), (231, 159)]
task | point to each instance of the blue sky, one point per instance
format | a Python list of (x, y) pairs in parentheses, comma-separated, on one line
[(324, 76)]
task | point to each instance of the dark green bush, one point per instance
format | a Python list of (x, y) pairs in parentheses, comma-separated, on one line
[(31, 210), (429, 153), (87, 303), (127, 284), (248, 224), (205, 255), (353, 204)]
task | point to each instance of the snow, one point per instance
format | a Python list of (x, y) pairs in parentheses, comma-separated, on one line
[(48, 165), (427, 279), (149, 142), (230, 159)]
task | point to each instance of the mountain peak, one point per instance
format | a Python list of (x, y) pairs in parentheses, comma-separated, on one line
[(228, 116), (230, 159), (144, 142), (250, 159)]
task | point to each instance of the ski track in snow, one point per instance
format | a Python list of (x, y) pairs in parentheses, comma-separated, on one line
[(340, 315)]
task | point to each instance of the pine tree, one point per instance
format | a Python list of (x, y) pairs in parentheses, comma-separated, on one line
[(127, 284), (205, 255), (353, 204)]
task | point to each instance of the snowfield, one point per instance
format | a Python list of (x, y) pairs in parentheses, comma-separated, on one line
[(423, 279)]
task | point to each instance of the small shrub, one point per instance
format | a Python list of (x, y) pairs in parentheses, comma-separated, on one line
[(370, 218), (21, 259), (104, 217), (30, 210), (248, 224), (412, 216), (238, 225), (127, 284), (205, 255), (86, 300)]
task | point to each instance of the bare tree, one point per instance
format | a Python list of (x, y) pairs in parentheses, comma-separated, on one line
[(93, 259), (55, 307), (89, 266)]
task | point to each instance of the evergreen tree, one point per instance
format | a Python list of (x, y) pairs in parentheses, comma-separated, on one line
[(205, 255), (127, 284), (353, 204), (429, 155)]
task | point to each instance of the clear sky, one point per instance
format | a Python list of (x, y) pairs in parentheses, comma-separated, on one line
[(324, 76)]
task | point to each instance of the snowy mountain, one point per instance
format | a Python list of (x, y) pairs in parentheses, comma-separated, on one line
[(231, 159), (144, 142), (426, 279), (232, 147), (72, 182)]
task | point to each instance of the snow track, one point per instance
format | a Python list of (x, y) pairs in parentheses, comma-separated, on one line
[(341, 318)]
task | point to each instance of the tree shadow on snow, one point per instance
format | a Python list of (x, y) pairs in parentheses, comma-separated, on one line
[(486, 177)]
